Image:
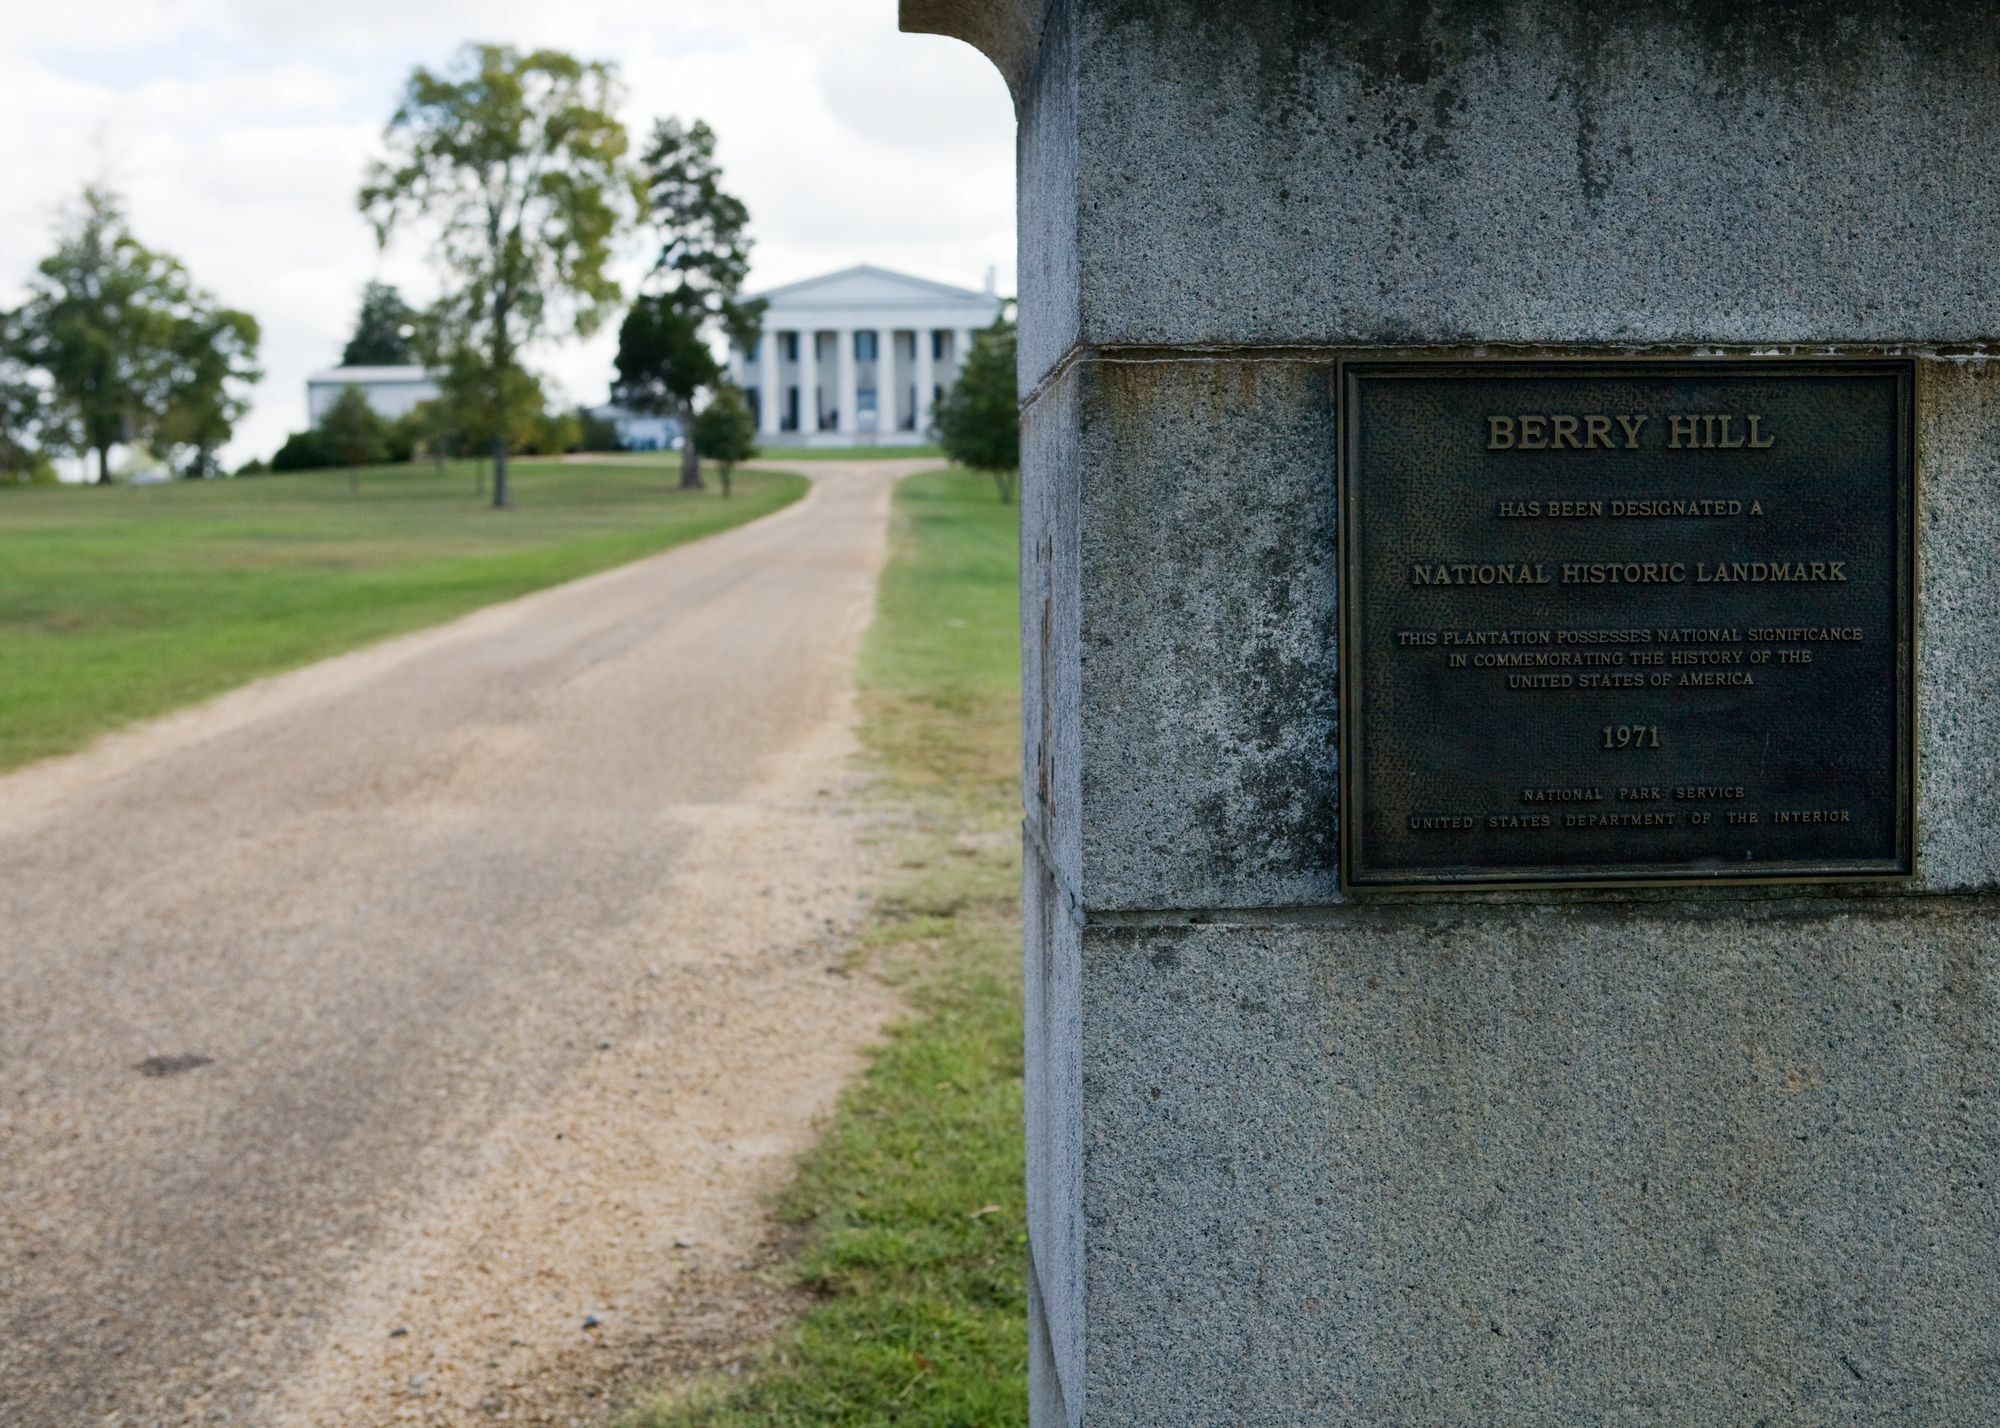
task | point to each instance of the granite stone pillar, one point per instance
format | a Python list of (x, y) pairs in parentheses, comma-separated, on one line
[(1302, 1156)]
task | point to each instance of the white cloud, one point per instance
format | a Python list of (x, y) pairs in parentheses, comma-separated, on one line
[(238, 130)]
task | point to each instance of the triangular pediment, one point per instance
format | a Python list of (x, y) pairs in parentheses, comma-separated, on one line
[(871, 287)]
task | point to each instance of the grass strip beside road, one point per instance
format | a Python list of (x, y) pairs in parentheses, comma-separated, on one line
[(118, 604), (911, 1209)]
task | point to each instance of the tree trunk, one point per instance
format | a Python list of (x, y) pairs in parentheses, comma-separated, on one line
[(728, 469), (498, 360), (690, 458), (104, 466)]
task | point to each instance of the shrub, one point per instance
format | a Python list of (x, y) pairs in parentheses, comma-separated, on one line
[(595, 432), (302, 451)]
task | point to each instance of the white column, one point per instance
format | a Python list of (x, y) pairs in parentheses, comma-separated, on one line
[(964, 341), (769, 400), (885, 364), (808, 383), (849, 380), (925, 381)]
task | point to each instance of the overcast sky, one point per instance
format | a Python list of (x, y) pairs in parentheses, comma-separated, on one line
[(238, 129)]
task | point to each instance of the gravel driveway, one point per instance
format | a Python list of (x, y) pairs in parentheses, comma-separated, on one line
[(412, 1037)]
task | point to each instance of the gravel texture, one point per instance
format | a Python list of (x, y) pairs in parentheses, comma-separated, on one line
[(413, 1038)]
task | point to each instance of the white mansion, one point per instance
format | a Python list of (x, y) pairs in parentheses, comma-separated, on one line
[(858, 356)]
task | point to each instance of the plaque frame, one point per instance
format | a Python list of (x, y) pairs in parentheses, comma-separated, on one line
[(1907, 474)]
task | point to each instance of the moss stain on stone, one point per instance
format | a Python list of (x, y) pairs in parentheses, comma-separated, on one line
[(1409, 58)]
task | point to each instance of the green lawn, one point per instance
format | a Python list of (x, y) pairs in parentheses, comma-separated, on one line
[(914, 1241), (124, 602)]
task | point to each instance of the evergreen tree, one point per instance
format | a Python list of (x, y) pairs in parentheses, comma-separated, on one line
[(664, 361), (384, 333), (979, 421), (352, 433), (725, 431)]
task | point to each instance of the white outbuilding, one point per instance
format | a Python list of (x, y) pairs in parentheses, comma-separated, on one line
[(639, 431), (860, 356), (392, 391)]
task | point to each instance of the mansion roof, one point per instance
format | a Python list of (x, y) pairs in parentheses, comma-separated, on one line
[(867, 287)]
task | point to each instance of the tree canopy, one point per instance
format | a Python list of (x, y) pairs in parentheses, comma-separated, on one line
[(515, 163), (214, 356), (21, 411), (979, 421), (352, 433), (663, 360), (477, 415), (385, 332), (695, 289), (131, 349)]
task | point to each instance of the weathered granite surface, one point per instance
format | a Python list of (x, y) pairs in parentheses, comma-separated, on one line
[(1530, 1166), (1364, 171), (1204, 594), (1207, 611), (1054, 1074), (1958, 615), (1647, 1158)]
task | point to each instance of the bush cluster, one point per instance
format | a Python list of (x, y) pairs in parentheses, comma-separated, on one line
[(353, 433)]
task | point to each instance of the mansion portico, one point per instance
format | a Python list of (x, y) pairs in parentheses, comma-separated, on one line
[(858, 356)]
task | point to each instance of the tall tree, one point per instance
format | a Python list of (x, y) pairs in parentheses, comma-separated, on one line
[(214, 365), (105, 319), (663, 363), (725, 431), (695, 288), (979, 421), (517, 163), (385, 331)]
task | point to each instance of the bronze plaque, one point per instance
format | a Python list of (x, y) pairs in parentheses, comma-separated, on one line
[(1626, 621)]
